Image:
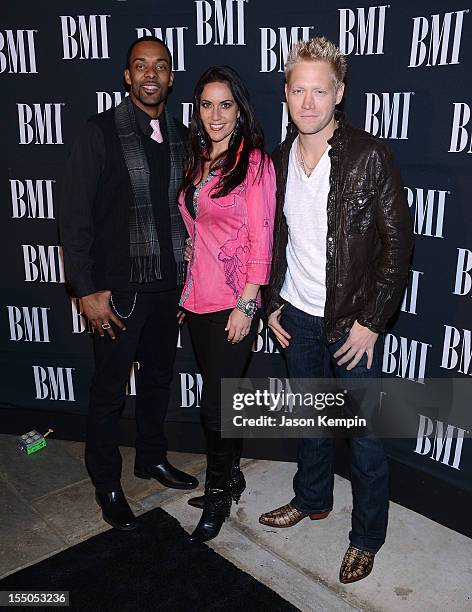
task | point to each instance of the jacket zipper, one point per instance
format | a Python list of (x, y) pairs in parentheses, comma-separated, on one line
[(334, 259)]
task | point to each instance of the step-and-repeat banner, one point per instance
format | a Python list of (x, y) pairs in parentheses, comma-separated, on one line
[(408, 83)]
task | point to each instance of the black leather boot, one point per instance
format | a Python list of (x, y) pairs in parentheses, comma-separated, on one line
[(217, 500), (237, 483)]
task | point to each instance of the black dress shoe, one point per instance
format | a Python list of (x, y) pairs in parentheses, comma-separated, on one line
[(116, 511), (167, 475)]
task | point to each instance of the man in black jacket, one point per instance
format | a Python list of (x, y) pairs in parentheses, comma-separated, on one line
[(123, 241), (342, 245)]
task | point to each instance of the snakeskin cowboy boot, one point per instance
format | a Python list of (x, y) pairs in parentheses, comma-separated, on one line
[(288, 516)]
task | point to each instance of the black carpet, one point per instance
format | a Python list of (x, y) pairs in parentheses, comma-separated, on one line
[(152, 568)]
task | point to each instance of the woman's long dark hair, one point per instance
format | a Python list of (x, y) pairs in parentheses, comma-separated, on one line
[(234, 162)]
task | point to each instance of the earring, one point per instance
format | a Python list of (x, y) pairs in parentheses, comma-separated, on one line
[(201, 140), (235, 133)]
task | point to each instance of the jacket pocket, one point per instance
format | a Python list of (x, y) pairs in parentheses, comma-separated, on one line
[(360, 210)]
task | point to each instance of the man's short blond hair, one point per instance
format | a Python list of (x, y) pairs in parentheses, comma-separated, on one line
[(318, 49)]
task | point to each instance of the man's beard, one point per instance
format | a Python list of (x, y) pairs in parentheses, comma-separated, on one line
[(146, 100)]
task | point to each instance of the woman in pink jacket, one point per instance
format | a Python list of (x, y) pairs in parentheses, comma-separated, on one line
[(227, 202)]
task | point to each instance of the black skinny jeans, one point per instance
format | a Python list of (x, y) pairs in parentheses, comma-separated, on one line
[(217, 358)]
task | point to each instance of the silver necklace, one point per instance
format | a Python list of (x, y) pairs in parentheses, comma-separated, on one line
[(301, 160)]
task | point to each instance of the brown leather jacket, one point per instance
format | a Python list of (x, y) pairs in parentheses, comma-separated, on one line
[(370, 236)]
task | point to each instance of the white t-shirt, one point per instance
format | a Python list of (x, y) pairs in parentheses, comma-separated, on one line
[(305, 209)]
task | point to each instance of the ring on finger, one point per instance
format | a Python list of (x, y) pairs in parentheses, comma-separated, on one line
[(106, 325)]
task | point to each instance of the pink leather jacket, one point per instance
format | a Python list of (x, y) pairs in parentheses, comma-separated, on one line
[(231, 238)]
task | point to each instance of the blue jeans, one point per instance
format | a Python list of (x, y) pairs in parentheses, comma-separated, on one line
[(310, 355)]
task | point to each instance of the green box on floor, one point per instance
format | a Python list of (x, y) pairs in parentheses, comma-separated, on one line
[(31, 442)]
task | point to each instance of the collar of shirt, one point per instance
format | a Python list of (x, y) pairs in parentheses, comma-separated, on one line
[(144, 122)]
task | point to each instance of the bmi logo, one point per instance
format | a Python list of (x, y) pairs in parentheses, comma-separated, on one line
[(187, 109), (79, 322), (44, 264), (387, 114), (263, 342), (460, 137), (54, 384), (405, 358), (133, 374), (276, 45), (84, 37), (174, 39), (32, 198), (463, 283), (442, 440), (107, 100), (427, 210), (362, 31), (28, 323), (220, 22), (190, 390), (410, 296), (457, 350), (285, 117), (436, 41), (40, 123), (17, 52)]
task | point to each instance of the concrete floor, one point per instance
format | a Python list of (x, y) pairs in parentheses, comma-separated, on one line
[(47, 504)]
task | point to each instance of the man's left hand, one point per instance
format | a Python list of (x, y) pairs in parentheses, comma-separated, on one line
[(360, 340)]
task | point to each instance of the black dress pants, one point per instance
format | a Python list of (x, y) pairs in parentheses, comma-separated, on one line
[(217, 358), (151, 339)]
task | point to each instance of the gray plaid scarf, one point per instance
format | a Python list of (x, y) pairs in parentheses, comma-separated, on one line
[(143, 240)]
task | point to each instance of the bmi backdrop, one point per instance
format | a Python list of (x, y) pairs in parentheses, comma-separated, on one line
[(408, 83)]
